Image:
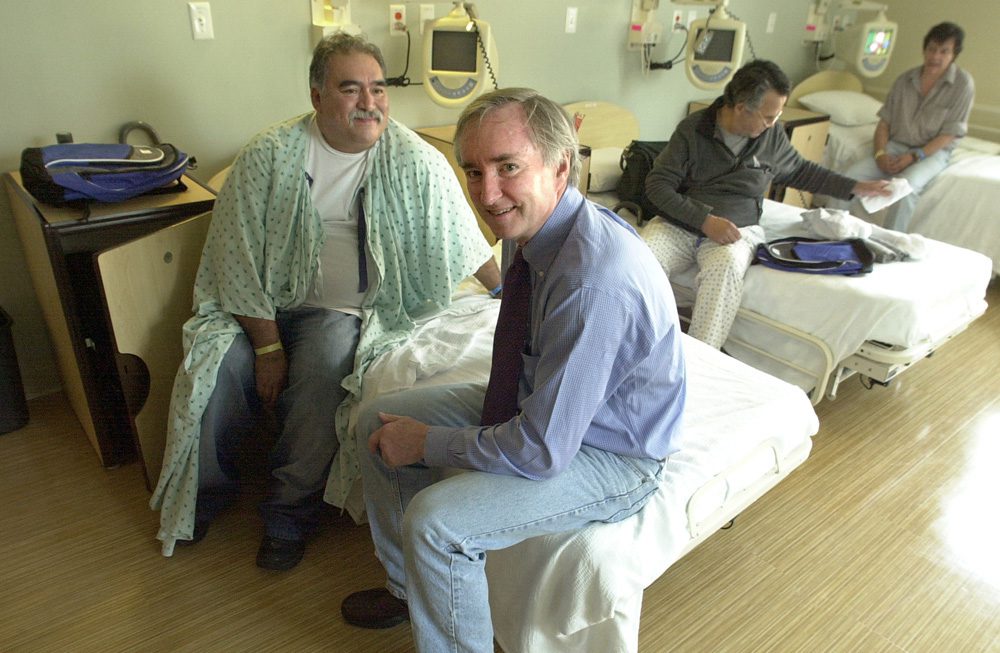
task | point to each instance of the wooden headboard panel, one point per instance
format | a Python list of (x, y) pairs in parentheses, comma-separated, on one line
[(604, 124), (827, 80)]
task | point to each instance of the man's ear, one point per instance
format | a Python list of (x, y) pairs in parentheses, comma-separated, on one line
[(314, 96)]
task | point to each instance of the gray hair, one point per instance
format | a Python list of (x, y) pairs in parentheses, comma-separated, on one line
[(339, 43), (753, 81), (550, 128)]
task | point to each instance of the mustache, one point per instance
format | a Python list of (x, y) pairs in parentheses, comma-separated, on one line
[(359, 114)]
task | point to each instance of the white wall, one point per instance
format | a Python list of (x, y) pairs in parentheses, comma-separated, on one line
[(88, 67)]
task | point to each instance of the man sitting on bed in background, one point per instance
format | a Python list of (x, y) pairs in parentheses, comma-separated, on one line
[(584, 399), (926, 112), (709, 185), (317, 256)]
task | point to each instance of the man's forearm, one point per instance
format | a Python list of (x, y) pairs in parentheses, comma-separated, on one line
[(261, 332), (489, 274)]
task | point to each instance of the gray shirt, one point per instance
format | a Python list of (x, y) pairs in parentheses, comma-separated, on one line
[(914, 120)]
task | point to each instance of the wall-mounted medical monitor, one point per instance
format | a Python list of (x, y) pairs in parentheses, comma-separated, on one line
[(459, 58), (715, 51), (868, 46)]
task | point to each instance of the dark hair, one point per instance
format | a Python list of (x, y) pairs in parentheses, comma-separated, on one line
[(752, 81), (339, 43), (942, 32), (551, 129)]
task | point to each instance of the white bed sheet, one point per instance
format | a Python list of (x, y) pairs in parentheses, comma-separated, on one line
[(730, 452), (903, 303), (961, 206), (545, 591)]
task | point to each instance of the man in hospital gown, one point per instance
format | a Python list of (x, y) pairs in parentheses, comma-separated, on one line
[(333, 231)]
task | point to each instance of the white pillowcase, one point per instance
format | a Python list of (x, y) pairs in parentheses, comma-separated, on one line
[(848, 108), (605, 169)]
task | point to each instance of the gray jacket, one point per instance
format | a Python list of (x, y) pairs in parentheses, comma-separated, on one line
[(696, 174)]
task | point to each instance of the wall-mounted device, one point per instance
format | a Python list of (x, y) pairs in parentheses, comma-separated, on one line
[(643, 29), (459, 57), (865, 45), (715, 48), (330, 16)]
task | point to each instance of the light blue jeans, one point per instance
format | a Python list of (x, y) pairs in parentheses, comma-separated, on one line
[(432, 533), (897, 216), (319, 344)]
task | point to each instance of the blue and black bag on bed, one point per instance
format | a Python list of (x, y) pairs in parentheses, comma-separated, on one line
[(70, 174), (846, 257)]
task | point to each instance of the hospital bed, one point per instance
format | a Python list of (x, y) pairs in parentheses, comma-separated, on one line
[(957, 207), (582, 591), (813, 330)]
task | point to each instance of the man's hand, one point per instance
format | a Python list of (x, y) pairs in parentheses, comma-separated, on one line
[(720, 230), (872, 188), (400, 441), (271, 374), (893, 165)]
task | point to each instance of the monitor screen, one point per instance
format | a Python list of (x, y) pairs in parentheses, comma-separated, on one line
[(453, 51), (719, 47), (878, 41)]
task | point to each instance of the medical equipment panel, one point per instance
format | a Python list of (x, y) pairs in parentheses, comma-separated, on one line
[(459, 56)]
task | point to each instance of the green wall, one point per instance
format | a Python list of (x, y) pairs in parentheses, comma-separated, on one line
[(90, 66)]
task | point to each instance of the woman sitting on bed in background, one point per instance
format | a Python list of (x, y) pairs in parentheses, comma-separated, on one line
[(924, 115)]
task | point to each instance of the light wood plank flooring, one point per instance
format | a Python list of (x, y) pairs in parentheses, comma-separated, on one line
[(886, 539)]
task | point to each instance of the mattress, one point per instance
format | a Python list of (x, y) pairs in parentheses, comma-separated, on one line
[(581, 591), (904, 304)]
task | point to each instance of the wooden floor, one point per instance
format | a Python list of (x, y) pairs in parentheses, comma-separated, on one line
[(885, 539)]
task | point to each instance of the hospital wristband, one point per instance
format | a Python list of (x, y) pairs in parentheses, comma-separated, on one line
[(879, 153), (919, 153), (496, 291), (267, 349)]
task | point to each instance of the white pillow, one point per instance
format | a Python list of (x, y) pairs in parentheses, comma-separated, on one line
[(848, 108), (605, 169)]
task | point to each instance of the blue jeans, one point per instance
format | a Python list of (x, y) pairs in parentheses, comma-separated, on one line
[(319, 344), (432, 533), (897, 216)]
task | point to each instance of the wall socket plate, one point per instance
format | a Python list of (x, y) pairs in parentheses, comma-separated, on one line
[(397, 20)]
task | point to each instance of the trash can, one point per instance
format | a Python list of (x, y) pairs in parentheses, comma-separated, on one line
[(13, 407)]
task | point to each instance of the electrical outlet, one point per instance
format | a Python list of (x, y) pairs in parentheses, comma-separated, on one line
[(426, 14), (771, 19), (571, 20), (397, 20), (201, 21), (678, 21)]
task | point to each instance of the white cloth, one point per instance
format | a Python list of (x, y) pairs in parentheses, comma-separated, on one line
[(900, 188), (838, 224)]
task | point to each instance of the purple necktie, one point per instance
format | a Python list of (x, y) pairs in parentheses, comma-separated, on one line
[(509, 341)]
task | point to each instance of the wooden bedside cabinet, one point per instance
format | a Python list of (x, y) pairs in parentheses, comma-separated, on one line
[(60, 247)]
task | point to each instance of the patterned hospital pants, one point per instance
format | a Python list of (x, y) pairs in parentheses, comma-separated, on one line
[(721, 268)]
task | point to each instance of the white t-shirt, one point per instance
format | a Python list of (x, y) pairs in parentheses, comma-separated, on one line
[(336, 177)]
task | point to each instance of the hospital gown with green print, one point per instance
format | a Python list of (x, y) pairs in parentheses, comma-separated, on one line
[(262, 254)]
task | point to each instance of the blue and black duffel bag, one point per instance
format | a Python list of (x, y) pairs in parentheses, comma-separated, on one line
[(77, 173), (847, 257)]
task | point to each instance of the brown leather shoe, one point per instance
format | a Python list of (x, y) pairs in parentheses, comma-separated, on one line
[(375, 608)]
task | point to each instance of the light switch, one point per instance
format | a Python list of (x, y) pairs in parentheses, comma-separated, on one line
[(201, 21), (571, 20)]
